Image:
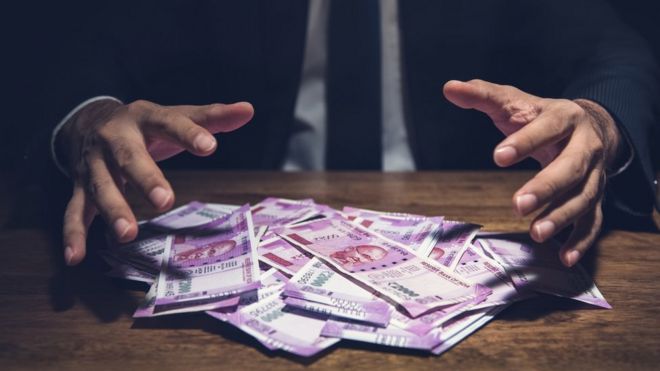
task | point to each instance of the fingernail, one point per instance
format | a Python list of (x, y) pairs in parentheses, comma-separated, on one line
[(68, 255), (121, 227), (204, 143), (526, 203), (544, 229), (505, 155), (159, 197), (572, 257)]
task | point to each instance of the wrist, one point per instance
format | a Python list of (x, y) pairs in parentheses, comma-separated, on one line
[(615, 147), (68, 137)]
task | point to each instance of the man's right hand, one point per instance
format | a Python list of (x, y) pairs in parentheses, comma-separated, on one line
[(107, 144)]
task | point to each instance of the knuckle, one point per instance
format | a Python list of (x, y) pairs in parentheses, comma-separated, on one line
[(563, 216), (578, 161), (597, 149), (216, 108), (94, 140), (97, 185), (190, 132), (112, 208), (158, 123), (570, 109), (571, 168), (107, 133), (556, 125), (113, 211), (167, 119), (103, 138), (152, 178), (548, 188), (212, 111), (123, 154), (81, 167), (524, 142), (585, 157), (576, 165), (588, 201), (139, 106), (590, 197), (166, 115), (71, 217), (143, 111)]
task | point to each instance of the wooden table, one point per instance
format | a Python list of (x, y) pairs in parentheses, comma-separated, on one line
[(58, 318)]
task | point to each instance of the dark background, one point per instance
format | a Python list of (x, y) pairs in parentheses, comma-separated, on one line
[(33, 32)]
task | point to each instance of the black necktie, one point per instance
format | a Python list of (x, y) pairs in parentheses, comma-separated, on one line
[(353, 86)]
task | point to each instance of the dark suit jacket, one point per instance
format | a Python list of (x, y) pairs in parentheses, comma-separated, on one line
[(198, 52)]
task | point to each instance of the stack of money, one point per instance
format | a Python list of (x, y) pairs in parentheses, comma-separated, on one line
[(299, 276)]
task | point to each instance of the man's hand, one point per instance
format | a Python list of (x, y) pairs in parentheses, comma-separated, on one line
[(575, 142), (108, 144)]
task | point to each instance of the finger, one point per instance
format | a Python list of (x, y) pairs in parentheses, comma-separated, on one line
[(546, 130), (495, 100), (161, 149), (74, 231), (172, 125), (564, 211), (582, 237), (135, 164), (564, 173), (90, 212), (217, 117), (77, 218), (109, 201)]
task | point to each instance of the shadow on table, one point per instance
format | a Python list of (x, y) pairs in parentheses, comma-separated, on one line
[(108, 299), (208, 324)]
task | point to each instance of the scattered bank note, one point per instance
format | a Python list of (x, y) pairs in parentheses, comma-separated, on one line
[(280, 211), (455, 238), (214, 263), (273, 323), (537, 267), (276, 252), (427, 322), (191, 215), (416, 284), (418, 233), (318, 283), (391, 279), (477, 267), (272, 283), (390, 336)]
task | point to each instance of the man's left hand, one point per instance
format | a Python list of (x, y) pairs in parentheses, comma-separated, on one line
[(575, 142)]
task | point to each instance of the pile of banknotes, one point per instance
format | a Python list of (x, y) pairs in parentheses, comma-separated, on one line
[(300, 276)]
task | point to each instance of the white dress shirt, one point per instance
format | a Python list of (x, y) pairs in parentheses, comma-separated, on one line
[(306, 150)]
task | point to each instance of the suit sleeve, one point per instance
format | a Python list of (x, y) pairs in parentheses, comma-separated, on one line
[(81, 63), (595, 56)]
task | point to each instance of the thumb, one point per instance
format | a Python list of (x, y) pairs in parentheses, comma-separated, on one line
[(492, 99)]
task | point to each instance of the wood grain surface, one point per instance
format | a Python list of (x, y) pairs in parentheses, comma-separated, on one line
[(53, 317)]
